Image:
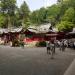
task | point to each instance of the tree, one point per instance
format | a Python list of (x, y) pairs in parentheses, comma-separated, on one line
[(53, 14), (2, 20), (65, 26), (17, 19), (39, 16), (71, 3), (42, 15), (69, 15), (34, 17), (8, 8), (24, 12)]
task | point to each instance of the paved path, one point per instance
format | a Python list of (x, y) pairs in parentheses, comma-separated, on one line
[(33, 61), (71, 69)]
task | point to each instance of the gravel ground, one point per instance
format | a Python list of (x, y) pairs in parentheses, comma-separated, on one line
[(33, 61)]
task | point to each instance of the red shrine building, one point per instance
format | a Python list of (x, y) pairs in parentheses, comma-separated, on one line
[(42, 32)]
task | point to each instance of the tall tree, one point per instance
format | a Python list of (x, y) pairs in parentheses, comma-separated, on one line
[(42, 15), (39, 16), (3, 21), (8, 8), (24, 12), (53, 14), (69, 15), (34, 17)]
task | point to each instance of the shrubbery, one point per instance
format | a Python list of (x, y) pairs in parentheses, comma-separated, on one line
[(41, 44), (15, 43)]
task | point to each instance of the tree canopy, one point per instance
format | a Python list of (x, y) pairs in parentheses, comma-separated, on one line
[(60, 15), (65, 26)]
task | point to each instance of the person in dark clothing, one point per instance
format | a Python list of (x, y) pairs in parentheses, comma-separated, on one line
[(52, 47)]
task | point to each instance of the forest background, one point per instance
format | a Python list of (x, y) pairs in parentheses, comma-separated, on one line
[(61, 15)]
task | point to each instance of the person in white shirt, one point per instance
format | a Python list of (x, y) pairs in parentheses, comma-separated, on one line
[(48, 47)]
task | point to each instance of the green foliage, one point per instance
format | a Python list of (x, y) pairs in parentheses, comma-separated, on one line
[(69, 14), (61, 15), (39, 16), (42, 14), (24, 14), (71, 3), (15, 43), (12, 15), (53, 14), (24, 10), (8, 6), (65, 26), (2, 20), (41, 44), (27, 23), (34, 17), (17, 19), (54, 10)]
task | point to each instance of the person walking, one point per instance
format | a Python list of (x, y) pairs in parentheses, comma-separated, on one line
[(48, 47), (52, 48), (62, 45)]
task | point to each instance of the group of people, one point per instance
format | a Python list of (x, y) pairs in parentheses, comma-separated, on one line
[(52, 44)]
